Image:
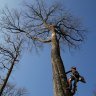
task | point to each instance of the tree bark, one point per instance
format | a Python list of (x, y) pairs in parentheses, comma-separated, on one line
[(59, 76)]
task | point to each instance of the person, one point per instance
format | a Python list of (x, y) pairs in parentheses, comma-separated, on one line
[(75, 77)]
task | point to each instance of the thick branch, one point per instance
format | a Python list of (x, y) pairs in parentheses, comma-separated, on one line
[(38, 39)]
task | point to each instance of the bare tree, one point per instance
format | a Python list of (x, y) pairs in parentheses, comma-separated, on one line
[(12, 90), (10, 53), (42, 23)]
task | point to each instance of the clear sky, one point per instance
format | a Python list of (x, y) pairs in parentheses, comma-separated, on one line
[(34, 71)]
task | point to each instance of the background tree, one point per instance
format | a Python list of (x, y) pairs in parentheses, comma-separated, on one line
[(12, 90), (10, 52), (42, 23)]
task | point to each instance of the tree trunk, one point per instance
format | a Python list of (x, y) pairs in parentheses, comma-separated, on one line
[(7, 77), (59, 76)]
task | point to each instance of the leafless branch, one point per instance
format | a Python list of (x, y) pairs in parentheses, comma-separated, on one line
[(11, 53), (32, 23), (12, 90)]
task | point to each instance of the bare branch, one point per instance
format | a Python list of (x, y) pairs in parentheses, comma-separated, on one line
[(12, 90), (11, 56), (32, 23), (38, 39)]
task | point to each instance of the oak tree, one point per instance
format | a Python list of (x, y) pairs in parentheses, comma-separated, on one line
[(42, 23)]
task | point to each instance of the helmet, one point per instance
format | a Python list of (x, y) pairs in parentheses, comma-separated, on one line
[(73, 67)]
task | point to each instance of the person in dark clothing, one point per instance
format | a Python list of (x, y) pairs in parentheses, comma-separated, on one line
[(75, 77)]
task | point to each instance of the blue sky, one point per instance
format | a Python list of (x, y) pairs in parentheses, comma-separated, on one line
[(34, 70)]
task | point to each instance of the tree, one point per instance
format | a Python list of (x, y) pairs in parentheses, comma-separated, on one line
[(9, 55), (12, 90), (41, 24)]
